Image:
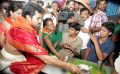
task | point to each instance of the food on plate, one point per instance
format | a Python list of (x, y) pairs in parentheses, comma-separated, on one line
[(84, 68)]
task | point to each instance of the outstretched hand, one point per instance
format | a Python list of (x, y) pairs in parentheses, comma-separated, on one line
[(74, 69), (93, 38), (66, 46)]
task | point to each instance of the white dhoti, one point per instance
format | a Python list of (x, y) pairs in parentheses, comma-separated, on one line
[(10, 58), (7, 59)]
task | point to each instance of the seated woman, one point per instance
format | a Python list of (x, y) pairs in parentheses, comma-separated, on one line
[(51, 38)]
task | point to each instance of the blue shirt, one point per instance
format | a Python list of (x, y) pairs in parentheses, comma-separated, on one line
[(106, 47), (112, 8), (92, 3)]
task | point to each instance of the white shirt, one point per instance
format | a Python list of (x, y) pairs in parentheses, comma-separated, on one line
[(84, 36), (117, 65)]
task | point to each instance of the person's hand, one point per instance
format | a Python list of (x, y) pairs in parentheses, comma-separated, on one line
[(60, 56), (93, 38), (2, 39), (74, 69), (94, 29), (66, 46), (2, 36)]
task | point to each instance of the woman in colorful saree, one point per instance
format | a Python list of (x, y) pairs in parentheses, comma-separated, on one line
[(7, 56), (22, 36), (51, 38)]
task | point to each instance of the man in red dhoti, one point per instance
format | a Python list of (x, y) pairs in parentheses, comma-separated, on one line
[(22, 36)]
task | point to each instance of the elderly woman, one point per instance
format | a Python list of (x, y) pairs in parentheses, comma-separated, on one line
[(51, 38)]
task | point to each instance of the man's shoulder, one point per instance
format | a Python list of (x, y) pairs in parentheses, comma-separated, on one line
[(99, 12), (22, 22), (79, 39), (109, 43)]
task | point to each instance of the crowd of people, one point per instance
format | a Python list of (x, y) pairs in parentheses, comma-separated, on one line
[(35, 39)]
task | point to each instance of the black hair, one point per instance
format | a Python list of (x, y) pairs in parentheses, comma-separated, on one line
[(14, 6), (75, 25), (30, 9), (70, 1), (57, 4), (45, 21), (109, 25), (40, 2), (84, 9), (4, 5), (98, 2)]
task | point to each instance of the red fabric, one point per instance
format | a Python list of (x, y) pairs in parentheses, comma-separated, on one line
[(8, 19), (31, 66), (2, 28), (23, 37), (24, 40)]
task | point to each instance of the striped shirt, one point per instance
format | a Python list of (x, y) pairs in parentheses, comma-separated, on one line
[(97, 19)]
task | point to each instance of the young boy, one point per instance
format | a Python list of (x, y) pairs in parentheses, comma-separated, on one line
[(99, 48), (71, 42)]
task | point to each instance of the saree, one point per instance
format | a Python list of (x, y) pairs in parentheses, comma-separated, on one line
[(22, 36), (53, 38)]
